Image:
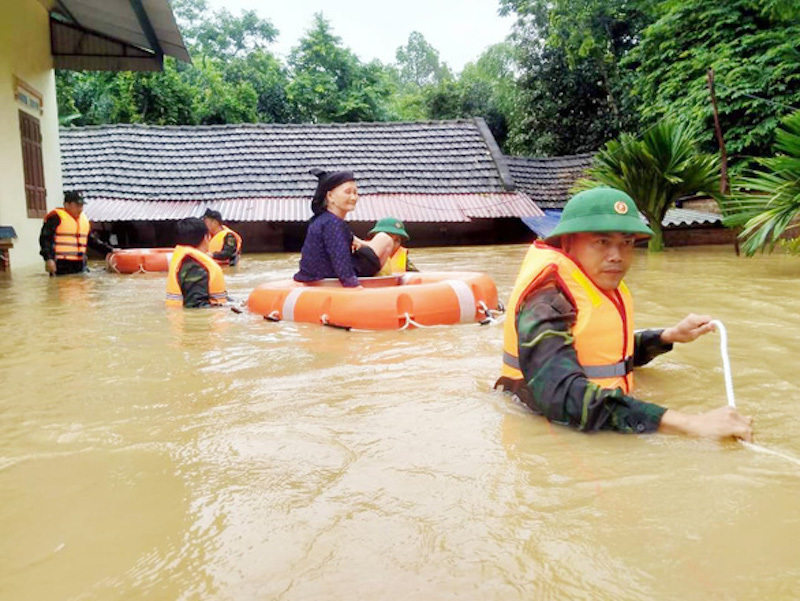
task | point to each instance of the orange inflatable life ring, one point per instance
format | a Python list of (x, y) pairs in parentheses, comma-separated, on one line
[(385, 303), (139, 260)]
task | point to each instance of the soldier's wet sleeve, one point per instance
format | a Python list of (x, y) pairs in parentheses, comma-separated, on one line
[(47, 237), (95, 243), (193, 280), (559, 388), (647, 345), (228, 248)]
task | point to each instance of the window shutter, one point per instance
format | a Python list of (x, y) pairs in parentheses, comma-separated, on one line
[(33, 165)]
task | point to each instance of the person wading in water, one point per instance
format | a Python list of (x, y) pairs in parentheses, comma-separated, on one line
[(569, 347)]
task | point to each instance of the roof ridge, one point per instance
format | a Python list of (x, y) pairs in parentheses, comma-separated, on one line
[(226, 126), (582, 155), (506, 177)]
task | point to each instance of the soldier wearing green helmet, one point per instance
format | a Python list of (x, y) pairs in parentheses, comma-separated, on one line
[(569, 346), (398, 261), (600, 210)]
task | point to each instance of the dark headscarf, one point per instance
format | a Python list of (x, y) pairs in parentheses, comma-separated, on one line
[(328, 180)]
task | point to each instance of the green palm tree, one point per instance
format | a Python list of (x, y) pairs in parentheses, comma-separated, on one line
[(766, 202), (656, 170)]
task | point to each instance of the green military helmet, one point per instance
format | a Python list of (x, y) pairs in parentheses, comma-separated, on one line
[(600, 210), (390, 225)]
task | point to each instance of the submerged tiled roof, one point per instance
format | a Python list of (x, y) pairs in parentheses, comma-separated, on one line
[(674, 218), (190, 163), (548, 180), (683, 217), (411, 208)]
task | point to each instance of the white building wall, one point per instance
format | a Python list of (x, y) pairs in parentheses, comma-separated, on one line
[(25, 55)]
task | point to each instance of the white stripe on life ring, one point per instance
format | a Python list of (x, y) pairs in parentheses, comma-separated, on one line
[(290, 301), (466, 300)]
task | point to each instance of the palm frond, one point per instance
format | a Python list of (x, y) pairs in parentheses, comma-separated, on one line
[(655, 170), (766, 203)]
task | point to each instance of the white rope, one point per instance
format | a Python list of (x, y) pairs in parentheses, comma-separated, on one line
[(491, 314), (112, 263), (411, 322), (726, 363), (726, 366)]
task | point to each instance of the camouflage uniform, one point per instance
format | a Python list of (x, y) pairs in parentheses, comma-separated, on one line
[(229, 251), (556, 385), (194, 282)]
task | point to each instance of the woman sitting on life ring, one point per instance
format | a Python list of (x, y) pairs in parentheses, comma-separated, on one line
[(330, 249)]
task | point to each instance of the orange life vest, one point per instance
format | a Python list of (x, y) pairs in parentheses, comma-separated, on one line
[(396, 263), (71, 237), (603, 330), (216, 279), (218, 241)]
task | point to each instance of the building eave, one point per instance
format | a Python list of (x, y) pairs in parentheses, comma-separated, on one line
[(130, 35)]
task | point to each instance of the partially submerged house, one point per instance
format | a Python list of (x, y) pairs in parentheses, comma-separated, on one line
[(548, 181), (36, 37), (447, 180)]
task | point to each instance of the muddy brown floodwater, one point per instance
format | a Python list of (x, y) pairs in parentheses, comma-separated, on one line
[(154, 454)]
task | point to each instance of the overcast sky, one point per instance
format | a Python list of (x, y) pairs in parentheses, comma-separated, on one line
[(459, 29)]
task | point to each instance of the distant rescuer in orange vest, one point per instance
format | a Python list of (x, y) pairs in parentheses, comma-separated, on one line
[(194, 278), (65, 234), (569, 347), (225, 245), (398, 261)]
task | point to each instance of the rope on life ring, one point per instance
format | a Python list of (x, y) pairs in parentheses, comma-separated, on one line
[(273, 316), (491, 314), (326, 322), (112, 263), (411, 322)]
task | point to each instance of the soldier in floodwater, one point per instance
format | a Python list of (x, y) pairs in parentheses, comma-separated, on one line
[(66, 232), (569, 345)]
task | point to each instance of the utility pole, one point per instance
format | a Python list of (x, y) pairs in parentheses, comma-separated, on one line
[(723, 180)]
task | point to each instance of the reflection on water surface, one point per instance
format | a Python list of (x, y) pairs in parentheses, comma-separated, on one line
[(157, 454)]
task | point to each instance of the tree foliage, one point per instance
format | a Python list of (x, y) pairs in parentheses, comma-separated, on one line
[(219, 33), (329, 83), (752, 47), (656, 170), (485, 88), (232, 78), (571, 88), (418, 63), (766, 202), (563, 111)]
